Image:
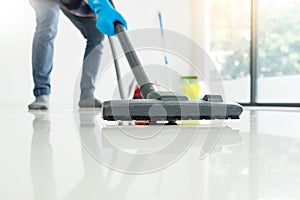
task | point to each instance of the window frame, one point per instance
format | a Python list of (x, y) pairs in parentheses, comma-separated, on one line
[(254, 66)]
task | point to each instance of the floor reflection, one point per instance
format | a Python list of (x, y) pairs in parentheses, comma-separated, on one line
[(144, 149), (42, 176), (104, 148)]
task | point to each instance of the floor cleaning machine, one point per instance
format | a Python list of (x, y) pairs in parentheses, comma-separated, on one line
[(161, 105)]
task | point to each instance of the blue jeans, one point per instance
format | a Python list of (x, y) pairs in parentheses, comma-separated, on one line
[(47, 14)]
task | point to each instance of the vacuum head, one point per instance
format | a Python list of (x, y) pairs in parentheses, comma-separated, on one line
[(157, 110)]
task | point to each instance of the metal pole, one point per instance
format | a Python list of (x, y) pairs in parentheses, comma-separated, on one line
[(253, 53)]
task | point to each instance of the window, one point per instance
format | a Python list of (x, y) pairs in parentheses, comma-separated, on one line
[(230, 46), (278, 51)]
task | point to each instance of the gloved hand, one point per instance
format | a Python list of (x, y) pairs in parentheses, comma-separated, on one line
[(107, 15)]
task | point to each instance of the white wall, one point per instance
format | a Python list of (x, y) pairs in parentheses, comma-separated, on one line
[(18, 23)]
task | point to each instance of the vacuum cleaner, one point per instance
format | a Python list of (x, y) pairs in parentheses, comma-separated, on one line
[(161, 105)]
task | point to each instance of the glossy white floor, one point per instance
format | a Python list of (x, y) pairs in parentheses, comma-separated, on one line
[(63, 154)]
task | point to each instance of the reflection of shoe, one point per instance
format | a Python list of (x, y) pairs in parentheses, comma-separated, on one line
[(41, 125), (40, 115), (40, 103), (90, 103)]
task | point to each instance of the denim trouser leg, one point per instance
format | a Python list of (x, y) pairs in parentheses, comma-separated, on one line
[(47, 14), (93, 52)]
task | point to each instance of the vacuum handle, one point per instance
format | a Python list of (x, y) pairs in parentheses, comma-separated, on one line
[(112, 3), (136, 67)]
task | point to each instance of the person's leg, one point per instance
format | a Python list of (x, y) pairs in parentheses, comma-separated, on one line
[(92, 57), (47, 14)]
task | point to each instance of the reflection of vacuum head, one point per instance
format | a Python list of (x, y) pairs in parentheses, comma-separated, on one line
[(207, 139), (138, 149), (160, 105)]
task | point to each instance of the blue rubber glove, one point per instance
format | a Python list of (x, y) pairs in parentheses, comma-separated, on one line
[(107, 15)]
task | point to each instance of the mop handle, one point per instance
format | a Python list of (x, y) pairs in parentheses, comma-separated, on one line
[(162, 34)]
